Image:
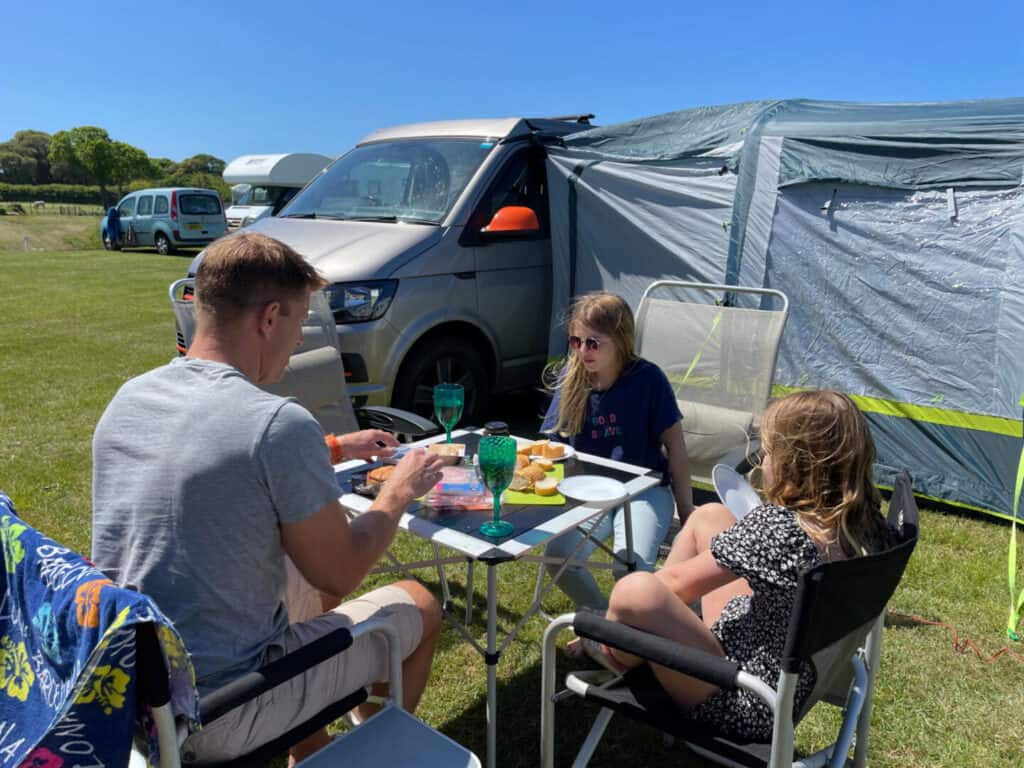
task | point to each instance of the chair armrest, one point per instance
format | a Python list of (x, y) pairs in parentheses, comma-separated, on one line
[(395, 420), (740, 458), (249, 686), (660, 650)]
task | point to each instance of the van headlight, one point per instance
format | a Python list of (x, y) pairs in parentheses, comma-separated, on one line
[(360, 302)]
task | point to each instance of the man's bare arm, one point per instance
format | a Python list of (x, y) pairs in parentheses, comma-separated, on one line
[(335, 555)]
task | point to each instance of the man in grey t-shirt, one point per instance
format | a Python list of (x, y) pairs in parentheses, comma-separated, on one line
[(205, 486)]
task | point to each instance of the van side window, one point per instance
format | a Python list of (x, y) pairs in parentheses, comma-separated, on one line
[(522, 181), (127, 207), (145, 205), (160, 204)]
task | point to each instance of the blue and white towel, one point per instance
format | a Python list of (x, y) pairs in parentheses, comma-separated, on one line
[(67, 657)]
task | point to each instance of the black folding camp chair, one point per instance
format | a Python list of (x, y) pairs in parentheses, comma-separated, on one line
[(836, 624), (391, 737)]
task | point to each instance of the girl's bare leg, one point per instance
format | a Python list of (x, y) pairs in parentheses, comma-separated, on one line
[(643, 601)]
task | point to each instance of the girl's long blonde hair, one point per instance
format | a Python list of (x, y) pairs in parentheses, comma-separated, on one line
[(609, 315), (821, 454)]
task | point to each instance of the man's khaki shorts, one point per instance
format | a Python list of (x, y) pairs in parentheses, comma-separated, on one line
[(295, 701)]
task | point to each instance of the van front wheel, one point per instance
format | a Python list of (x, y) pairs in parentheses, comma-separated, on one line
[(163, 244), (446, 359)]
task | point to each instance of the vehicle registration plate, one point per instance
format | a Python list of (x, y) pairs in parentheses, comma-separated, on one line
[(193, 225)]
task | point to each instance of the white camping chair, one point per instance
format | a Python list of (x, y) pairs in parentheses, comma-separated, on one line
[(315, 375), (836, 624), (718, 349)]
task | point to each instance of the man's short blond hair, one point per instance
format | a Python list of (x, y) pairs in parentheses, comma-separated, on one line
[(249, 270)]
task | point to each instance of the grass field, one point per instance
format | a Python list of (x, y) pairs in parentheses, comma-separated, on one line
[(75, 325), (47, 230)]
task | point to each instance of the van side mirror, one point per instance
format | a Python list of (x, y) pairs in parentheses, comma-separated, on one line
[(512, 220)]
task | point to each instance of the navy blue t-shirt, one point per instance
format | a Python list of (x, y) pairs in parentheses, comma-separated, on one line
[(625, 422)]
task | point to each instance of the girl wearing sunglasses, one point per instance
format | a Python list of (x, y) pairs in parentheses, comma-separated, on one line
[(612, 403)]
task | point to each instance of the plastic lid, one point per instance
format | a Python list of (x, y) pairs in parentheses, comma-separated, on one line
[(496, 428)]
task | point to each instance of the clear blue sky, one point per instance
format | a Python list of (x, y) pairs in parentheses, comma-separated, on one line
[(179, 78)]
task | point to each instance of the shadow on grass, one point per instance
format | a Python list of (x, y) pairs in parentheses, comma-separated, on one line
[(625, 743)]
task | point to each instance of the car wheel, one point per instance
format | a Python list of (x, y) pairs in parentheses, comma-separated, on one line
[(163, 244), (444, 359)]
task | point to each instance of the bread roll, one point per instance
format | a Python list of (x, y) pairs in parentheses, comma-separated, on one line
[(546, 487), (380, 474), (522, 461), (546, 464), (537, 449), (532, 472), (520, 483), (554, 450)]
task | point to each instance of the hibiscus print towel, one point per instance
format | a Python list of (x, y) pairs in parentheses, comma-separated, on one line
[(67, 657)]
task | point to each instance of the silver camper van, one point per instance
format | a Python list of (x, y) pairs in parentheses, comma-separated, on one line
[(435, 238)]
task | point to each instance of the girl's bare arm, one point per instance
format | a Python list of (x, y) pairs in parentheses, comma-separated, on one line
[(679, 468)]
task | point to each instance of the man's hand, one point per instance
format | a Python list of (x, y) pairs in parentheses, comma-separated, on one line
[(414, 475), (367, 443)]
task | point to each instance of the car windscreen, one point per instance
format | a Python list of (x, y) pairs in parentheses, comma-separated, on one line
[(198, 205), (409, 180)]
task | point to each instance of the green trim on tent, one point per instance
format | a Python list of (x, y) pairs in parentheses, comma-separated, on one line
[(949, 503), (975, 421)]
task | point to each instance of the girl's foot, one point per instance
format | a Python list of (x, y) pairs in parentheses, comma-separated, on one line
[(595, 651), (574, 649)]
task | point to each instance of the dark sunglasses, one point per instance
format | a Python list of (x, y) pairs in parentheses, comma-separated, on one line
[(592, 344)]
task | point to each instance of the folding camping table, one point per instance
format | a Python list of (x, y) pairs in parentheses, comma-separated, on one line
[(458, 530)]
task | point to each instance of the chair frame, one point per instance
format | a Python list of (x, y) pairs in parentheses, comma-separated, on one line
[(805, 638), (154, 690), (403, 423), (738, 458)]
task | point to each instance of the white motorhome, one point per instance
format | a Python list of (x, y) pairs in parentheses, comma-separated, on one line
[(272, 181)]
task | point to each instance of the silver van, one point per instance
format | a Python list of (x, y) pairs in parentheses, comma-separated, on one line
[(165, 219), (435, 238)]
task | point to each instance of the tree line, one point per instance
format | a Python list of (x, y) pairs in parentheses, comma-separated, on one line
[(87, 155)]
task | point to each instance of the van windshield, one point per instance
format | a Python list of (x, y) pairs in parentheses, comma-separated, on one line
[(259, 194), (411, 180)]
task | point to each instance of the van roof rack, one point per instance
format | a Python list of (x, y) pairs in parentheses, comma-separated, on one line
[(583, 119)]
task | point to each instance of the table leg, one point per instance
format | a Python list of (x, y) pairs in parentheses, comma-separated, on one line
[(443, 578), (491, 660), (469, 590), (630, 557)]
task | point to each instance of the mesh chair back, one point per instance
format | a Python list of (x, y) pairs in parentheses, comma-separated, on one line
[(838, 599), (719, 359), (315, 375)]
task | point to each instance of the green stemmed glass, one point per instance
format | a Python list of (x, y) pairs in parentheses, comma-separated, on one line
[(448, 402), (497, 461)]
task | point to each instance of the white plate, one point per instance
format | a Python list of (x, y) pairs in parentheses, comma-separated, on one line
[(592, 488), (735, 492), (567, 452)]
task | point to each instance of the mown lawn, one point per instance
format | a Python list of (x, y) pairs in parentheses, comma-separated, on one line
[(75, 325)]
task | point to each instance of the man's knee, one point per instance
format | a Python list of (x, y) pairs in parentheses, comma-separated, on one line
[(428, 606)]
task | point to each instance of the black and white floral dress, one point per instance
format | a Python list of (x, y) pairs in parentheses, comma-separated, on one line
[(769, 549)]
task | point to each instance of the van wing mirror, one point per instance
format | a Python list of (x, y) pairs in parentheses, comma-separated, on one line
[(512, 220)]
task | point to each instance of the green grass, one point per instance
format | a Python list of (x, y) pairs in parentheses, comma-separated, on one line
[(75, 325), (49, 231)]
